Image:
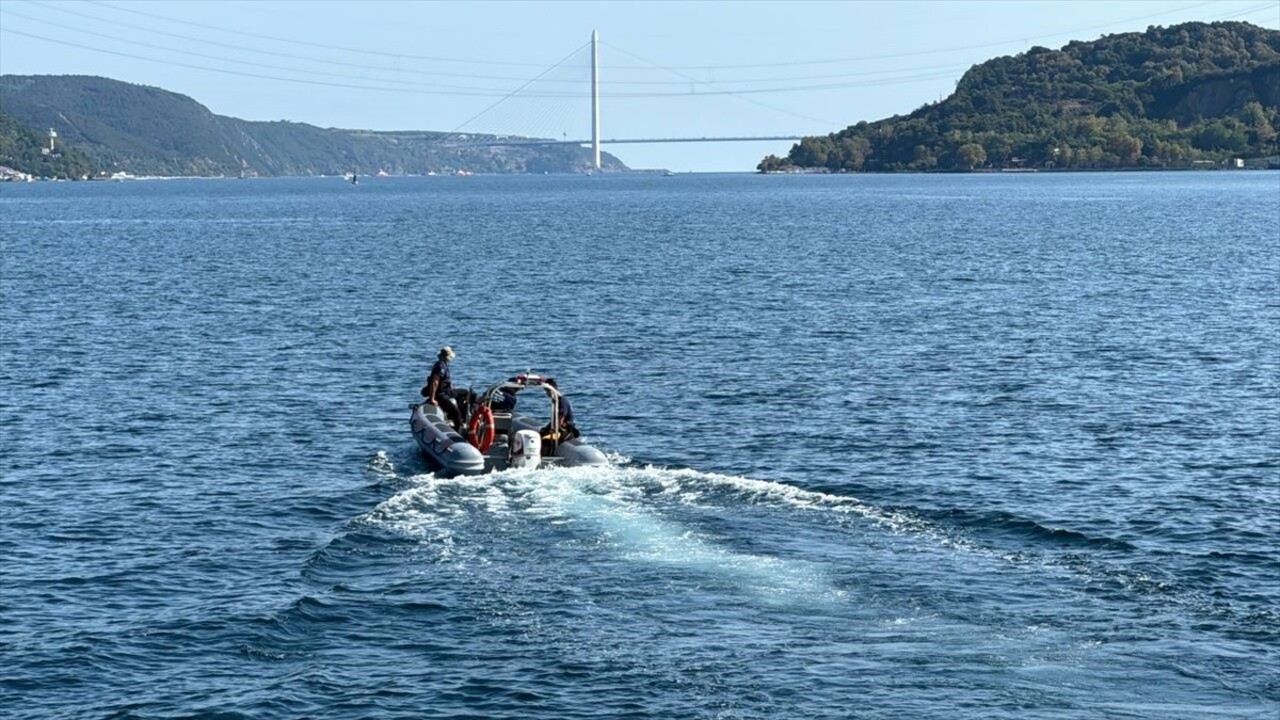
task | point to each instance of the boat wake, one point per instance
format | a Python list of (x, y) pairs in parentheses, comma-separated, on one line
[(744, 532), (624, 483), (777, 539), (683, 548)]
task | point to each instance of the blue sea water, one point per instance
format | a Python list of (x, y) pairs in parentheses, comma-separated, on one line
[(981, 446)]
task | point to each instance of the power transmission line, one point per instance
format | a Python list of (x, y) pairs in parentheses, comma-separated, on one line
[(244, 48), (734, 94), (879, 78), (463, 91), (404, 71), (937, 51), (260, 76), (323, 46), (250, 63), (1273, 6), (402, 56)]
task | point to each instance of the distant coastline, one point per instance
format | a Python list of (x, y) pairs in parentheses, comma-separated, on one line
[(1251, 165), (77, 127), (10, 175)]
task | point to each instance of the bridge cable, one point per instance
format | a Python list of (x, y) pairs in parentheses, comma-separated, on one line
[(532, 80)]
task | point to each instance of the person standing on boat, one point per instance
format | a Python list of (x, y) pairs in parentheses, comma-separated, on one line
[(568, 430), (439, 388)]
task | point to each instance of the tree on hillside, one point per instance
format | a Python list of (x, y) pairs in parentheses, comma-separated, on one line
[(773, 163), (853, 153), (922, 159), (1255, 118), (971, 155)]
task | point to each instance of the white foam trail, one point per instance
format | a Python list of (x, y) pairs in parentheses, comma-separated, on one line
[(617, 508), (629, 508), (544, 492), (694, 488), (622, 504)]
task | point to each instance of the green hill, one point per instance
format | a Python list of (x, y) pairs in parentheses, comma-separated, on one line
[(24, 149), (1168, 97), (142, 130)]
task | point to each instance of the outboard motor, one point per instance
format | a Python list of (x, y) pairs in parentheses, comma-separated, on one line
[(526, 449)]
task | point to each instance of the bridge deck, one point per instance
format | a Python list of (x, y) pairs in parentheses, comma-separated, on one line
[(469, 141)]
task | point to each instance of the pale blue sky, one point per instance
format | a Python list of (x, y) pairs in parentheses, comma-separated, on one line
[(669, 69)]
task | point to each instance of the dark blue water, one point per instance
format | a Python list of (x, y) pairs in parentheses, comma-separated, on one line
[(887, 447)]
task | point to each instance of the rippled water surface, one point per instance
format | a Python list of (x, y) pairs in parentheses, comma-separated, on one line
[(886, 447)]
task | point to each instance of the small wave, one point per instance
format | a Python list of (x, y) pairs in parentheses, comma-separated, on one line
[(1001, 521), (381, 466)]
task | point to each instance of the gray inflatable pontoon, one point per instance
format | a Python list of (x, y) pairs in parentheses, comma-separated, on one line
[(441, 444)]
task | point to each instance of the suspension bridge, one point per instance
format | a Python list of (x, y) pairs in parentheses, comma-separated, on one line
[(459, 139)]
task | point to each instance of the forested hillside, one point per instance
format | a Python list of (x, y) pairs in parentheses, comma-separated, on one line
[(1168, 97), (24, 149), (141, 130)]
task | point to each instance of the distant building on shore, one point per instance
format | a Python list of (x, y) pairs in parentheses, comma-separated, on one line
[(8, 174)]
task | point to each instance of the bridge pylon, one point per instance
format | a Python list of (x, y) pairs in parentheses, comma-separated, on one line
[(595, 98)]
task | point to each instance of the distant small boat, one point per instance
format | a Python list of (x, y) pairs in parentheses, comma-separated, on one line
[(668, 173), (352, 178)]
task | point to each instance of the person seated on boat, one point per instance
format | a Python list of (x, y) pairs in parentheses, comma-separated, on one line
[(568, 430), (504, 401), (439, 388)]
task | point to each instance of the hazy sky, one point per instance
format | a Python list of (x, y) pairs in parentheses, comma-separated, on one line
[(668, 69)]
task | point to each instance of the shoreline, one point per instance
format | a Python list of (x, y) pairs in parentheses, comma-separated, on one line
[(1016, 171)]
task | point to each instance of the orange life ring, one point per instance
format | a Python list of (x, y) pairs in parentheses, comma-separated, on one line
[(481, 428)]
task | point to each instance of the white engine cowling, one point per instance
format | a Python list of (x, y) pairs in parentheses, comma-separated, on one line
[(526, 449)]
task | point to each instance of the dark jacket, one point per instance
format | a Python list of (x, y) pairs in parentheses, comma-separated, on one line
[(439, 383), (566, 412)]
